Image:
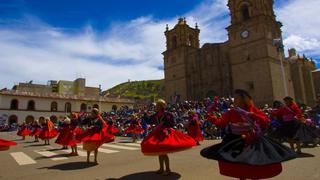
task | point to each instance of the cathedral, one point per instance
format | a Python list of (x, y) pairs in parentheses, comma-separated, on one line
[(252, 59)]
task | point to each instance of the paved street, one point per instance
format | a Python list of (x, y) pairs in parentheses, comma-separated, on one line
[(124, 161)]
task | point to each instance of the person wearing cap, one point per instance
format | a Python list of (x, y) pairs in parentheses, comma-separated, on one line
[(164, 139), (134, 128), (244, 152)]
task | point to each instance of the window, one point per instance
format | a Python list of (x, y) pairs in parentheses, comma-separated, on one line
[(29, 119), (190, 41), (67, 107), (14, 104), (41, 120), (250, 85), (31, 105), (54, 106), (114, 107), (245, 12), (95, 106), (173, 60), (83, 107), (174, 42), (13, 119)]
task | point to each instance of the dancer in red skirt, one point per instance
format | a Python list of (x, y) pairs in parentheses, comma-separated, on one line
[(36, 130), (65, 137), (48, 131), (76, 133), (135, 128), (293, 127), (164, 139), (23, 131), (194, 127), (94, 135), (112, 129), (5, 145), (244, 152)]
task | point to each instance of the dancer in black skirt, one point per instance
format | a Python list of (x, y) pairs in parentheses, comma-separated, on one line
[(244, 152), (293, 126)]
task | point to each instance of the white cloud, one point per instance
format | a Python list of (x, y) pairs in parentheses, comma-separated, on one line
[(128, 50), (302, 44), (42, 52), (301, 25)]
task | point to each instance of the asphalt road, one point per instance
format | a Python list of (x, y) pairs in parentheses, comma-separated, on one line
[(124, 161)]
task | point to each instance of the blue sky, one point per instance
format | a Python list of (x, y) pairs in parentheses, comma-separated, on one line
[(100, 14), (111, 41)]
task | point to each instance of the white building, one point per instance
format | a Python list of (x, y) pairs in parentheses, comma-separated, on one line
[(18, 106)]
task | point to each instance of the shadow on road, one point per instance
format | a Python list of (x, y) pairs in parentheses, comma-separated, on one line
[(56, 149), (147, 176), (71, 166), (35, 145), (54, 156), (305, 155), (125, 141)]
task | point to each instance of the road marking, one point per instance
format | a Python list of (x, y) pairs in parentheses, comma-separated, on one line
[(128, 144), (80, 153), (119, 147), (103, 150), (49, 154), (108, 151), (22, 159)]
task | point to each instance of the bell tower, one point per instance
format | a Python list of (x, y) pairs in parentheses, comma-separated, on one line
[(181, 41), (255, 60)]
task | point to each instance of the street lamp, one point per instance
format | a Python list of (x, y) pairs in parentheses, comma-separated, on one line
[(278, 43)]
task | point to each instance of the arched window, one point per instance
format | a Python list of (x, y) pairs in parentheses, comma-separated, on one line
[(114, 107), (83, 108), (174, 42), (245, 12), (13, 119), (67, 107), (14, 104), (95, 106), (41, 120), (190, 40), (31, 105), (54, 106), (29, 119)]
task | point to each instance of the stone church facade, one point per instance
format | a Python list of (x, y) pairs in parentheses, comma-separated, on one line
[(248, 60)]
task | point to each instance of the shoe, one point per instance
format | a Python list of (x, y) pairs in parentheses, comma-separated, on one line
[(73, 154), (159, 171), (166, 173)]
